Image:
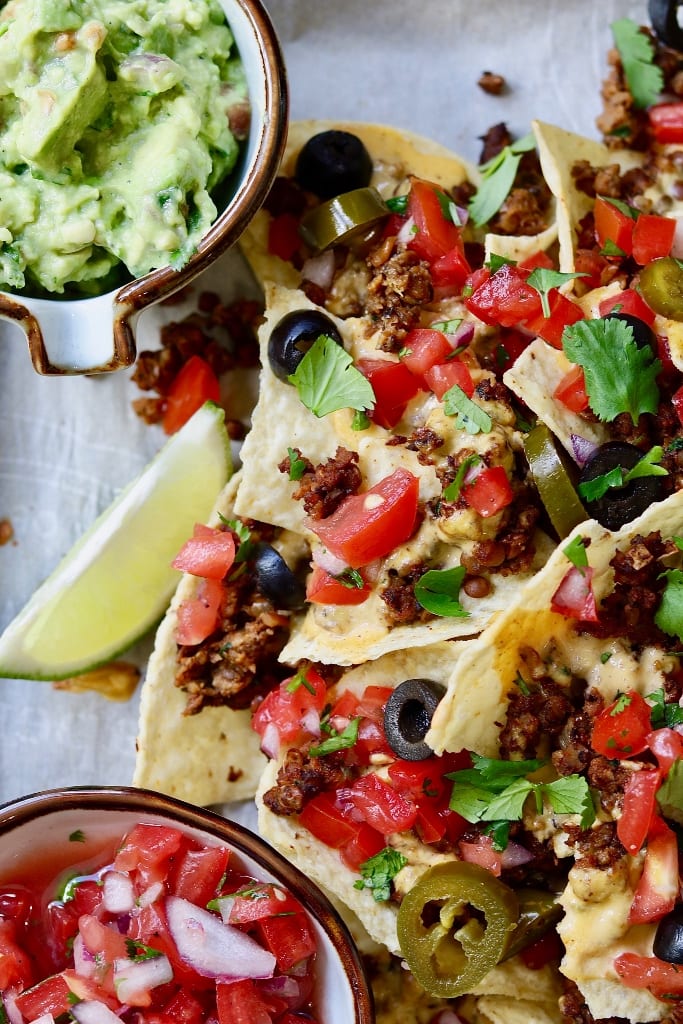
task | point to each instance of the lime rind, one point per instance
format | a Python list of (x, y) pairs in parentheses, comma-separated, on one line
[(114, 584)]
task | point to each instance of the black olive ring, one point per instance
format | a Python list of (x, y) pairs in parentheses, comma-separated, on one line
[(408, 715)]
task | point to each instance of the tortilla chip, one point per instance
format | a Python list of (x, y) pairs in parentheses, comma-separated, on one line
[(498, 1010), (474, 708), (212, 757)]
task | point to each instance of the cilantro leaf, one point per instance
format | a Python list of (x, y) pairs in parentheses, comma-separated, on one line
[(571, 795), (299, 680), (397, 204), (543, 279), (645, 80), (437, 591), (576, 552), (669, 615), (498, 774), (496, 261), (339, 741), (452, 491), (447, 326), (498, 178), (77, 837), (468, 415), (297, 465), (620, 377), (378, 872), (351, 579), (361, 421), (670, 793), (510, 803), (593, 490), (327, 380), (500, 834), (663, 714), (648, 465), (622, 702), (138, 951)]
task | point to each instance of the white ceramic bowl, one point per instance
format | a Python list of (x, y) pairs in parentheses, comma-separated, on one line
[(36, 825), (98, 334)]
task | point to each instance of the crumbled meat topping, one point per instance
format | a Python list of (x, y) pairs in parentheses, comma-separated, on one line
[(322, 488), (302, 777), (400, 285), (491, 83)]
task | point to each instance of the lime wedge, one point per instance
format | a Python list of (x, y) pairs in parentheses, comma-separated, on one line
[(116, 581)]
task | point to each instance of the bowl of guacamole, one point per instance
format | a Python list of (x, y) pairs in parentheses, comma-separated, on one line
[(137, 137)]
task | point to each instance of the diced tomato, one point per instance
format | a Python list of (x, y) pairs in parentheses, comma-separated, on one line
[(657, 887), (283, 236), (52, 995), (653, 237), (102, 939), (613, 225), (536, 260), (488, 491), (667, 746), (441, 377), (505, 298), (450, 271), (669, 369), (323, 588), (421, 780), (666, 121), (61, 926), (239, 1002), (370, 525), (563, 313), (638, 806), (285, 708), (289, 938), (185, 1008), (16, 968), (198, 873), (393, 384), (660, 978), (297, 1018), (548, 949), (262, 900), (430, 823), (571, 390), (592, 265), (574, 598), (195, 384), (476, 279), (423, 348), (677, 402), (16, 903), (435, 235), (148, 846), (480, 851), (197, 617), (209, 553), (326, 820), (510, 346), (627, 301), (378, 803), (366, 843), (150, 927), (370, 709), (621, 729), (87, 897)]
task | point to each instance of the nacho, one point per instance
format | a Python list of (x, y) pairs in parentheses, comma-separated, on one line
[(195, 740)]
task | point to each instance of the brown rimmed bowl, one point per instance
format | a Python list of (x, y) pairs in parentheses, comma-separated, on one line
[(36, 825), (95, 335)]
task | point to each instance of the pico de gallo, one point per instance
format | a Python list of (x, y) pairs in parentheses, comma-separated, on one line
[(158, 929)]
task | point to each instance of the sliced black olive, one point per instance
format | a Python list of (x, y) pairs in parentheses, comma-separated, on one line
[(668, 944), (643, 335), (292, 337), (333, 162), (275, 579), (619, 505), (539, 911), (664, 20), (408, 715)]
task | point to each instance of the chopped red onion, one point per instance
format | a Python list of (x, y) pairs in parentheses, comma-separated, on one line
[(514, 855), (212, 948), (270, 741), (84, 961), (134, 978), (320, 269), (47, 1018), (463, 335), (225, 905), (447, 1017), (407, 231), (92, 1011), (14, 1015), (310, 721), (118, 894), (293, 991), (582, 448), (329, 562), (151, 895), (677, 247)]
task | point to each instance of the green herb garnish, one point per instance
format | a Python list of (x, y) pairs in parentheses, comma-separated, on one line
[(338, 741), (498, 176), (594, 489), (544, 280), (379, 871), (468, 415), (669, 615), (452, 491), (297, 465), (643, 77), (327, 380), (438, 590)]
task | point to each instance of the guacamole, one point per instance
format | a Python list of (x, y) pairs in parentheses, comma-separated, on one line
[(115, 125)]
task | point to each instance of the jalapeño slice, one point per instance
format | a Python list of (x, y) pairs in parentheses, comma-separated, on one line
[(339, 221), (552, 480), (661, 285)]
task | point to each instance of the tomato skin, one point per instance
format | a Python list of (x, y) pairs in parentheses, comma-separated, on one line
[(289, 938), (450, 271), (628, 301), (480, 851), (563, 313), (209, 553), (505, 298), (325, 820), (198, 615), (365, 527), (489, 491), (52, 995), (637, 809), (653, 237), (590, 263), (148, 846), (571, 390), (15, 965), (286, 710), (366, 843), (263, 900), (574, 598), (283, 236), (322, 588), (435, 236), (424, 347), (667, 746), (195, 384), (511, 345), (622, 733), (239, 1002), (666, 121), (441, 378), (658, 976), (379, 804), (198, 873), (657, 887), (393, 384), (612, 225)]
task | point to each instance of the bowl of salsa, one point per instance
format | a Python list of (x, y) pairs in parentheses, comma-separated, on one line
[(123, 905)]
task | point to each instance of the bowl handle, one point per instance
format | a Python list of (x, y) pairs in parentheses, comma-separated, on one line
[(73, 336)]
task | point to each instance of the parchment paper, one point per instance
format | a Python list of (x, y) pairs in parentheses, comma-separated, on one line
[(68, 445)]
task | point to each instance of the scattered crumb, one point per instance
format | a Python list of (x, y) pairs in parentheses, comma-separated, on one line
[(117, 681), (6, 531), (492, 83)]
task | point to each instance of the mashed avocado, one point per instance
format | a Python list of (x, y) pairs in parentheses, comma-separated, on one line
[(115, 124)]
